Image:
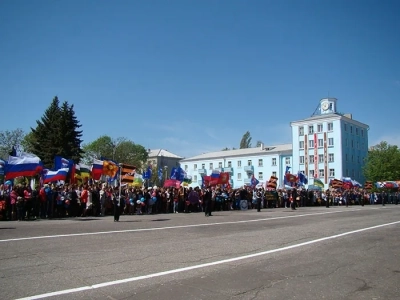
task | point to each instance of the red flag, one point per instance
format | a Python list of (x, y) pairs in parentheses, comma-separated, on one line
[(223, 178)]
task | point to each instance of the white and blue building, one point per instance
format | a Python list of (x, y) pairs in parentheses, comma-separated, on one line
[(329, 144), (326, 145)]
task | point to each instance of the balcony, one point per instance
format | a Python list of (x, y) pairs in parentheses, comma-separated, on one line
[(247, 181), (203, 171), (249, 169), (218, 169), (228, 170)]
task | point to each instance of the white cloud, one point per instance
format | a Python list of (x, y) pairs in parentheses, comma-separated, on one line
[(188, 147), (390, 139)]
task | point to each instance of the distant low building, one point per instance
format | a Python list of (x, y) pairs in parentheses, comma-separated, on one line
[(163, 159)]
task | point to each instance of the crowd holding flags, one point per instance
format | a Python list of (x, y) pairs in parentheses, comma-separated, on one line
[(29, 165)]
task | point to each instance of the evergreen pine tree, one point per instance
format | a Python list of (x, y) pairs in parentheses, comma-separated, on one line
[(45, 134), (57, 133), (71, 135)]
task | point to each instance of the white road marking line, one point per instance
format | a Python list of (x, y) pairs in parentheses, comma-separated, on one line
[(172, 227), (159, 274)]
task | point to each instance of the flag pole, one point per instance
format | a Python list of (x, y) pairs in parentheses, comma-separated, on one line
[(120, 181)]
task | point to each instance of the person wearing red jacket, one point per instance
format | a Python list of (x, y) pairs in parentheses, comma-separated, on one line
[(84, 200)]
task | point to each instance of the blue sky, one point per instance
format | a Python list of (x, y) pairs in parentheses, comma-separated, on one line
[(194, 76)]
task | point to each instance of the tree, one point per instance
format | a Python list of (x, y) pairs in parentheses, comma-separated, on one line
[(120, 150), (382, 163), (246, 141), (10, 139), (28, 142), (57, 133), (71, 136), (259, 143)]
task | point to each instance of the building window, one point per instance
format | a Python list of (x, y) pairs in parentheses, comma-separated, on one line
[(301, 159), (274, 161), (311, 143), (186, 168), (345, 127), (352, 158), (195, 167), (274, 174), (239, 163), (362, 132), (347, 142), (321, 173), (347, 159), (211, 166), (260, 162), (352, 144), (311, 173), (319, 127), (354, 173), (356, 131), (301, 144), (311, 159), (331, 157), (260, 175), (203, 166), (287, 160), (220, 165), (330, 126), (351, 129), (249, 162), (332, 173), (195, 178), (239, 176), (229, 164), (301, 131), (347, 172), (320, 158), (320, 143), (310, 129), (358, 145), (330, 142)]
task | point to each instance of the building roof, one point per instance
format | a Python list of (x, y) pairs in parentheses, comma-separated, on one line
[(241, 152), (163, 153), (332, 116)]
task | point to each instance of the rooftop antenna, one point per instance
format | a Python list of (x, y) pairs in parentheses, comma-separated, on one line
[(317, 110)]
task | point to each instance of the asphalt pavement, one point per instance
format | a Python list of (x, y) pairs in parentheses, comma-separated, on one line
[(309, 253)]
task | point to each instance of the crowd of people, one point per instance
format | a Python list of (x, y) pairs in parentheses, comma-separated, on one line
[(21, 202)]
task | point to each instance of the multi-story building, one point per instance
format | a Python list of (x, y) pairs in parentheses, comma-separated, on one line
[(242, 164), (329, 144)]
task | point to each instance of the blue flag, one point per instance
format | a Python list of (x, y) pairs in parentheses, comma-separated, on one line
[(160, 173)]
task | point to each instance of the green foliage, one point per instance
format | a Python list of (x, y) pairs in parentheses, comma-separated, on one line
[(10, 139), (382, 163), (57, 134), (245, 141), (28, 142), (120, 150), (259, 143)]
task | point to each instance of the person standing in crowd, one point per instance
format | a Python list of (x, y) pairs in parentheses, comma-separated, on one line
[(328, 198), (117, 203), (258, 199), (294, 197), (207, 198), (84, 199)]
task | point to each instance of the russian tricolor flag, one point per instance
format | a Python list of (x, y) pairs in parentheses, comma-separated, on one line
[(97, 169), (18, 166), (58, 175)]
